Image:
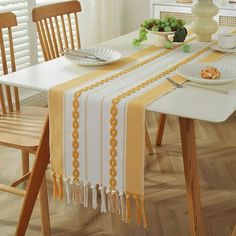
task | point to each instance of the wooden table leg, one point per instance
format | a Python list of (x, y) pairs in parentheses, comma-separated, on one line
[(191, 175), (36, 177), (160, 129)]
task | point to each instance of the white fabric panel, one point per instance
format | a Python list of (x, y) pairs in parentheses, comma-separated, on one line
[(100, 20)]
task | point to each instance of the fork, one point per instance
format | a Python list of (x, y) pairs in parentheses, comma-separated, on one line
[(196, 86), (84, 55)]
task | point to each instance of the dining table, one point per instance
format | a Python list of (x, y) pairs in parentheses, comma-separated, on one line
[(188, 104)]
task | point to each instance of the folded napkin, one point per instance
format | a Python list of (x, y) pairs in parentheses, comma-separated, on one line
[(97, 135)]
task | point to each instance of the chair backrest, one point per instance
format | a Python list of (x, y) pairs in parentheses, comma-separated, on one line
[(7, 21), (54, 24)]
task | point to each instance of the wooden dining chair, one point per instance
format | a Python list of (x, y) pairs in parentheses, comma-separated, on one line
[(20, 127), (57, 27)]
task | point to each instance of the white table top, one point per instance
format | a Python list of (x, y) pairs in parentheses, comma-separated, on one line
[(187, 102)]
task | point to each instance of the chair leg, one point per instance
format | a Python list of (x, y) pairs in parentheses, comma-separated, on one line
[(160, 129), (148, 142), (25, 162), (44, 209), (36, 177)]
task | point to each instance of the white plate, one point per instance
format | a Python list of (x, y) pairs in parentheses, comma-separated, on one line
[(192, 72), (107, 54), (217, 48)]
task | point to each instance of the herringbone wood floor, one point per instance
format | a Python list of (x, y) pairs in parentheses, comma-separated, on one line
[(164, 187)]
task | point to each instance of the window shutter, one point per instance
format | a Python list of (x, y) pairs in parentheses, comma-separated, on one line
[(21, 33)]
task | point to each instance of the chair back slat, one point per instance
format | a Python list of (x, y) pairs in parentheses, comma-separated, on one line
[(54, 37), (49, 39), (41, 39), (9, 98), (12, 54), (2, 100), (64, 32), (17, 98), (45, 41), (7, 21), (77, 30), (3, 54), (70, 32), (13, 66), (54, 26), (58, 34)]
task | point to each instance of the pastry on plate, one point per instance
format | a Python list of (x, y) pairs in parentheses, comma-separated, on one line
[(210, 72)]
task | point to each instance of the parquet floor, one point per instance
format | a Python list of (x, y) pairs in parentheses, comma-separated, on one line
[(164, 187)]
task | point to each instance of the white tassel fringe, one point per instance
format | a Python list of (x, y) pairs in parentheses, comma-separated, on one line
[(86, 195), (122, 205), (103, 199), (94, 197), (68, 190)]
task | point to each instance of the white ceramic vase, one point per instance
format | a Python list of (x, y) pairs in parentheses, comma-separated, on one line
[(204, 26)]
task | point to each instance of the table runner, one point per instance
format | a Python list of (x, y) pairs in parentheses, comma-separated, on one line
[(106, 129)]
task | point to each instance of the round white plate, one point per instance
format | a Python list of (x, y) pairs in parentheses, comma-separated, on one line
[(108, 55), (217, 48), (192, 72)]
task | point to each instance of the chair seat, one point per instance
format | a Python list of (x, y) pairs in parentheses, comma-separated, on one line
[(22, 129)]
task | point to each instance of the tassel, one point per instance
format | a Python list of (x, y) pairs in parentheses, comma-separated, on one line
[(86, 195), (55, 186), (143, 212), (72, 191), (103, 199), (127, 213), (138, 208), (122, 205), (109, 200), (60, 191), (77, 192), (114, 207), (81, 195), (68, 190), (94, 197), (74, 194), (117, 203)]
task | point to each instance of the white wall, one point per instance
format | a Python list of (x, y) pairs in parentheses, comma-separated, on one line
[(135, 11)]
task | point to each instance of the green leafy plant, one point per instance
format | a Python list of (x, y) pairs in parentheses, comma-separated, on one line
[(167, 24)]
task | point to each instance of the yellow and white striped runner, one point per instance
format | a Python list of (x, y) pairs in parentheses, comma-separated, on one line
[(97, 127)]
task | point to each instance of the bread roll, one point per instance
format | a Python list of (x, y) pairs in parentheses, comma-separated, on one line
[(210, 72)]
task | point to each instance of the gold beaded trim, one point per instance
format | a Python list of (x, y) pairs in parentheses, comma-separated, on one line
[(114, 112), (75, 113)]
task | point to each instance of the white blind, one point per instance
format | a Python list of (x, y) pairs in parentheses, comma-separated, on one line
[(20, 32)]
